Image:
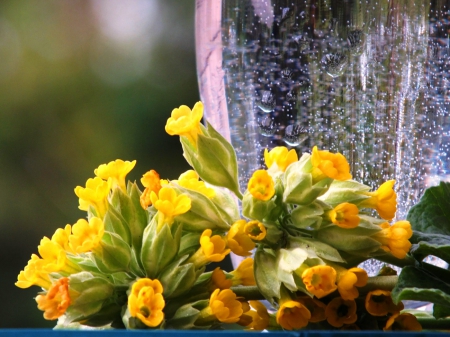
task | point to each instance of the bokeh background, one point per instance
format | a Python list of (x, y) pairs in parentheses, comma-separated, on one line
[(82, 82)]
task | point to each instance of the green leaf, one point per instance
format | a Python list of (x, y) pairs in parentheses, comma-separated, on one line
[(321, 249), (418, 285), (190, 242), (354, 240), (186, 315), (441, 311), (265, 269), (425, 244), (177, 278), (115, 223), (115, 253), (432, 213)]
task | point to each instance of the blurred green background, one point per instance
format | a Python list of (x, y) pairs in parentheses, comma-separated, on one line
[(82, 82)]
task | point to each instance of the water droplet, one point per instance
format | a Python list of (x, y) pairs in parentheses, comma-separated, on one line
[(334, 63), (291, 96), (286, 74), (295, 134), (267, 127), (267, 102), (355, 40)]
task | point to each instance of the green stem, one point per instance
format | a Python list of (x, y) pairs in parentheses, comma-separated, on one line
[(248, 292), (379, 282), (434, 324), (407, 261)]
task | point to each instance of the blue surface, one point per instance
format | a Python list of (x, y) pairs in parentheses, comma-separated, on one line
[(192, 333)]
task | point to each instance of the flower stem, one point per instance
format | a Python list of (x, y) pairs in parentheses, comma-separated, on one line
[(434, 324), (248, 292), (379, 282)]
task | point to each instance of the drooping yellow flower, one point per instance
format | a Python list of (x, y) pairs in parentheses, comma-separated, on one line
[(53, 255), (214, 247), (190, 180), (332, 165), (402, 322), (395, 238), (219, 280), (261, 185), (260, 316), (61, 237), (315, 307), (86, 236), (224, 305), (379, 303), (348, 280), (186, 123), (384, 200), (255, 230), (95, 194), (146, 302), (244, 273), (34, 274), (169, 205), (281, 157), (345, 215), (116, 170), (56, 301), (238, 241), (340, 312), (320, 280), (151, 181), (292, 315)]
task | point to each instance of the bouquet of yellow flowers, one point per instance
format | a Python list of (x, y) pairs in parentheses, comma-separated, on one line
[(138, 259)]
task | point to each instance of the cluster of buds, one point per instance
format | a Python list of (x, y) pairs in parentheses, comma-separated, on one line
[(139, 259)]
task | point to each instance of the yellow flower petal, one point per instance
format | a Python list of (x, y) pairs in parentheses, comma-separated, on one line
[(261, 185)]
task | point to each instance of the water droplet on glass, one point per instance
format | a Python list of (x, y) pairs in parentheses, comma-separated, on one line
[(267, 102), (291, 96), (286, 74), (295, 134), (355, 40), (334, 63), (267, 127)]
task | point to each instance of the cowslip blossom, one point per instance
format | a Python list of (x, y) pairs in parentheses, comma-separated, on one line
[(379, 303), (116, 170), (190, 180), (315, 307), (255, 230), (279, 158), (402, 322), (86, 236), (34, 274), (219, 280), (61, 237), (238, 241), (340, 312), (146, 301), (186, 123), (151, 181), (56, 301), (348, 280), (320, 280), (223, 304), (53, 256), (260, 316), (345, 215), (95, 194), (169, 204), (383, 200), (395, 238), (212, 249), (261, 185), (332, 165), (292, 315), (244, 274)]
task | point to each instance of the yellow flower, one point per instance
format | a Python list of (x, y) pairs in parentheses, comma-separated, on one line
[(53, 255), (379, 303), (332, 165), (384, 200), (214, 247), (345, 215), (340, 312), (56, 301), (261, 185), (402, 322), (116, 170), (320, 280), (34, 274), (238, 241), (292, 315), (395, 238), (169, 205), (224, 306), (243, 274), (146, 302), (151, 181), (95, 194), (219, 280), (281, 157), (348, 280), (315, 307), (86, 236), (184, 122), (61, 237), (255, 230), (260, 316), (190, 180)]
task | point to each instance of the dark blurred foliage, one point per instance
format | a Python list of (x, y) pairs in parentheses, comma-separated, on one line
[(81, 83)]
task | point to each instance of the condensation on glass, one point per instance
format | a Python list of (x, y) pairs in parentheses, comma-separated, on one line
[(369, 79)]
